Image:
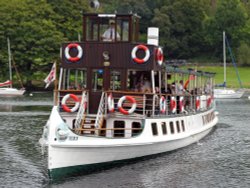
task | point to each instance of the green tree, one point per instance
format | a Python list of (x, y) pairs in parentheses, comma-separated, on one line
[(33, 35), (131, 6), (36, 30), (181, 27), (68, 17), (231, 17)]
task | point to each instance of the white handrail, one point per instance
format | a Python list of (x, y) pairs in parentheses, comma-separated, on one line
[(100, 112), (81, 110)]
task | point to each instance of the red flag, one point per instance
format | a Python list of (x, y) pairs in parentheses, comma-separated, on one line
[(51, 77), (191, 77)]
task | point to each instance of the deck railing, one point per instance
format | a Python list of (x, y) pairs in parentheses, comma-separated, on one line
[(151, 105)]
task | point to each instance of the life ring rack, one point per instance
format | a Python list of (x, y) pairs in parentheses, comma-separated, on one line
[(181, 104), (140, 60), (159, 56), (173, 104), (79, 52), (198, 103), (64, 105), (163, 105), (111, 104), (128, 98)]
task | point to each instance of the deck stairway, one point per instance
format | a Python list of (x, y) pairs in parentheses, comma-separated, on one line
[(82, 111), (90, 124)]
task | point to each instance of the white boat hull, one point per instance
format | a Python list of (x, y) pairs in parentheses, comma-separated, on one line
[(11, 92), (86, 151), (227, 94)]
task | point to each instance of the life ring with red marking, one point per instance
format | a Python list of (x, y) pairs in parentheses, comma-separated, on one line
[(209, 101), (111, 104), (181, 104), (79, 52), (198, 103), (159, 56), (126, 98), (163, 105), (140, 60), (64, 100), (173, 104)]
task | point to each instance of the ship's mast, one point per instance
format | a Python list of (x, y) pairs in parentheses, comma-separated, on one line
[(224, 58), (10, 67)]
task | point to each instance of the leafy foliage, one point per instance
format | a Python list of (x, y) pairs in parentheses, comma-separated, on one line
[(188, 28)]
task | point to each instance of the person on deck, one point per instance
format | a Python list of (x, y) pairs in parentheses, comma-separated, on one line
[(180, 88), (146, 87), (109, 34)]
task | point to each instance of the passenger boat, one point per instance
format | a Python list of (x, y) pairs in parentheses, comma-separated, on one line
[(102, 113)]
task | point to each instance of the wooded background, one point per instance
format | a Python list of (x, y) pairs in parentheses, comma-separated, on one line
[(189, 29)]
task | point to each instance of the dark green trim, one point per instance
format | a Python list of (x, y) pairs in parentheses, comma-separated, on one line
[(60, 174)]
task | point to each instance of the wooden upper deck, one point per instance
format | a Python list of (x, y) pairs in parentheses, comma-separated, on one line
[(122, 51)]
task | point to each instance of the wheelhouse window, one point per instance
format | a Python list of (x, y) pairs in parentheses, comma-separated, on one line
[(115, 81), (108, 30), (123, 28), (98, 27), (92, 29), (97, 80)]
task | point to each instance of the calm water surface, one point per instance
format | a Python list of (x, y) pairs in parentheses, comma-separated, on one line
[(222, 159)]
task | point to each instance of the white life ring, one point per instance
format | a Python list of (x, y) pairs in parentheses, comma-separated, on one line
[(181, 104), (198, 103), (159, 56), (65, 107), (79, 52), (111, 104), (128, 98), (145, 49), (163, 105), (173, 105)]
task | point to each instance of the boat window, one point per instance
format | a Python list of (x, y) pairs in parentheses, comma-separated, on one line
[(178, 126), (97, 79), (171, 124), (115, 81), (73, 124), (109, 29), (183, 126), (154, 129), (74, 79), (136, 128), (164, 128), (81, 79), (91, 29), (123, 28), (139, 81), (119, 130)]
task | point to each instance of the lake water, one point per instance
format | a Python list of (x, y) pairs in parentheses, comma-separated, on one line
[(222, 159)]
